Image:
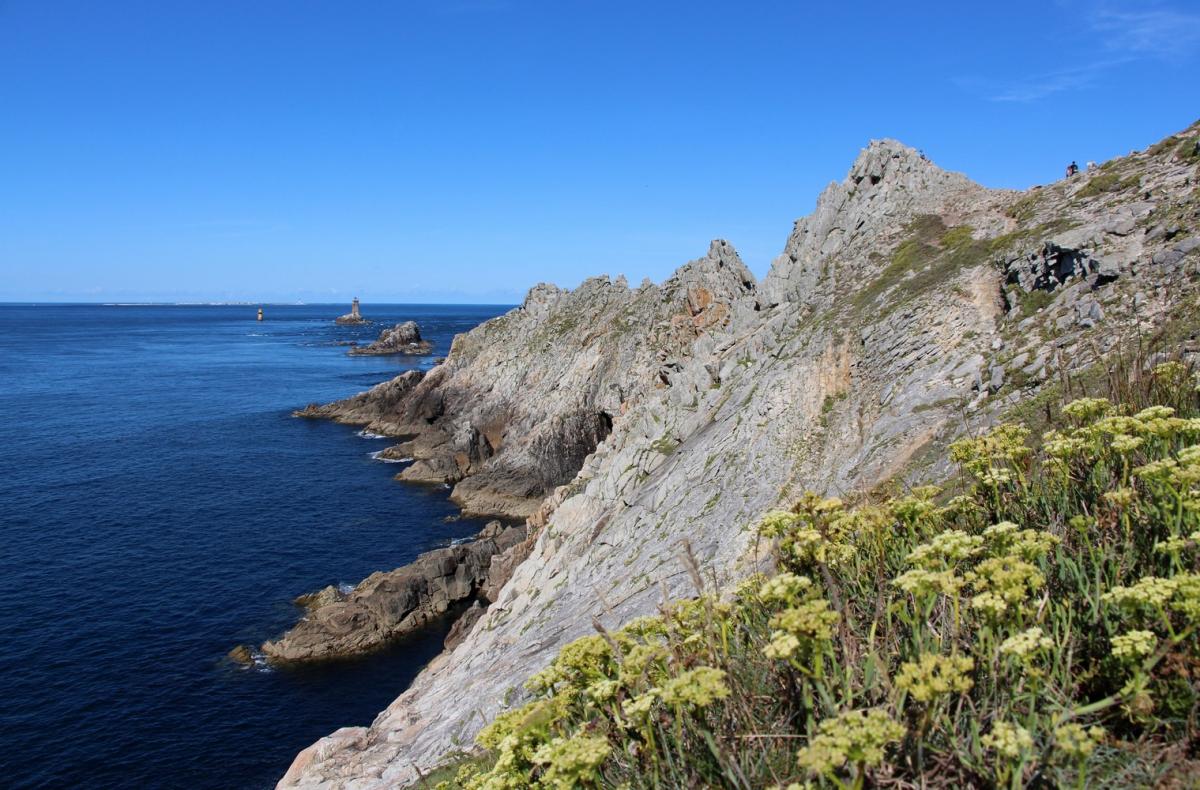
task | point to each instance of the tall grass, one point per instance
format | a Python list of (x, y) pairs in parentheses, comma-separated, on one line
[(1032, 624)]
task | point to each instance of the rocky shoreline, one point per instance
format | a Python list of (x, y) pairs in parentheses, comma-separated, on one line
[(387, 605)]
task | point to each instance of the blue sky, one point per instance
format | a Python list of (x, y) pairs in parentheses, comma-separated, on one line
[(462, 150)]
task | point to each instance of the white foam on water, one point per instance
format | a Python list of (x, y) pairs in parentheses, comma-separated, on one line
[(260, 662), (377, 455), (364, 433), (345, 588)]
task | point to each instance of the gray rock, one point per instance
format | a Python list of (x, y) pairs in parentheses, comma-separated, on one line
[(404, 338), (995, 378), (1119, 226), (1167, 257)]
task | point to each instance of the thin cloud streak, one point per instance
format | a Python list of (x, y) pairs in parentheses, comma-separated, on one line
[(1160, 34), (1127, 36)]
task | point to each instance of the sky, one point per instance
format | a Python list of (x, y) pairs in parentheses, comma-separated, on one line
[(463, 150)]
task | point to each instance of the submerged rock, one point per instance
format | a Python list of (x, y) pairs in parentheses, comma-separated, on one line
[(242, 654), (402, 338)]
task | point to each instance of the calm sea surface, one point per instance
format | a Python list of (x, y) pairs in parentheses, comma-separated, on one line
[(158, 505)]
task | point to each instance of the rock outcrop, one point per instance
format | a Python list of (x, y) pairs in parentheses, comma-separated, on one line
[(402, 338), (387, 605), (911, 307)]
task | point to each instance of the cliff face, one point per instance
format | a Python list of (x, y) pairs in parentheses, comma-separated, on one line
[(911, 307), (522, 400)]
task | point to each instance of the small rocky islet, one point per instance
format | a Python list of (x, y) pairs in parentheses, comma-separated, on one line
[(402, 339)]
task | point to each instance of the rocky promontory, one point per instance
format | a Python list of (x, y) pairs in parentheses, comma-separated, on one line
[(387, 605), (522, 400), (911, 307), (402, 338)]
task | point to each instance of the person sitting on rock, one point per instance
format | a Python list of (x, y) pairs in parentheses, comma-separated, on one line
[(1072, 169)]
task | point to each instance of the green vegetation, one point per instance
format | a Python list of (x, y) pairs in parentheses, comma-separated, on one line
[(1033, 625), (930, 256), (665, 445), (1107, 182), (1032, 301), (1188, 151), (1024, 209)]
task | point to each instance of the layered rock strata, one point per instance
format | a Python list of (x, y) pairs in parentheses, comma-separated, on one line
[(911, 307)]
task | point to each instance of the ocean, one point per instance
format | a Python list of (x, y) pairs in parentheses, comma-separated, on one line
[(159, 505)]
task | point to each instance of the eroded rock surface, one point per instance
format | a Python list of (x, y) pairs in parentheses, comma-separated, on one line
[(892, 324)]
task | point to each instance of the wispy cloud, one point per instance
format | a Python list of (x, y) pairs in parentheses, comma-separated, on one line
[(1039, 86), (1155, 33), (1119, 37)]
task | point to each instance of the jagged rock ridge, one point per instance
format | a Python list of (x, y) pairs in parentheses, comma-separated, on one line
[(898, 317)]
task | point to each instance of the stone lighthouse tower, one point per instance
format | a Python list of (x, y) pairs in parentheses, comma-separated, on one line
[(352, 317)]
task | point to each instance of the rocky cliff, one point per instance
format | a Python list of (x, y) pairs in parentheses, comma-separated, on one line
[(911, 306)]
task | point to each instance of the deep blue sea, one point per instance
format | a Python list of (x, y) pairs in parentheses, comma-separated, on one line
[(159, 505)]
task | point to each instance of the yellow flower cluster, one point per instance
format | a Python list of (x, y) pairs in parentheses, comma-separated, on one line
[(858, 737), (785, 588), (989, 458), (1008, 740), (1149, 591), (1074, 741), (1133, 645), (695, 688), (946, 549), (1009, 577), (921, 582), (933, 676), (1026, 643), (808, 625), (571, 761)]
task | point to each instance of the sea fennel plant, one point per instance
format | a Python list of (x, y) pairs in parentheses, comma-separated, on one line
[(1034, 624)]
